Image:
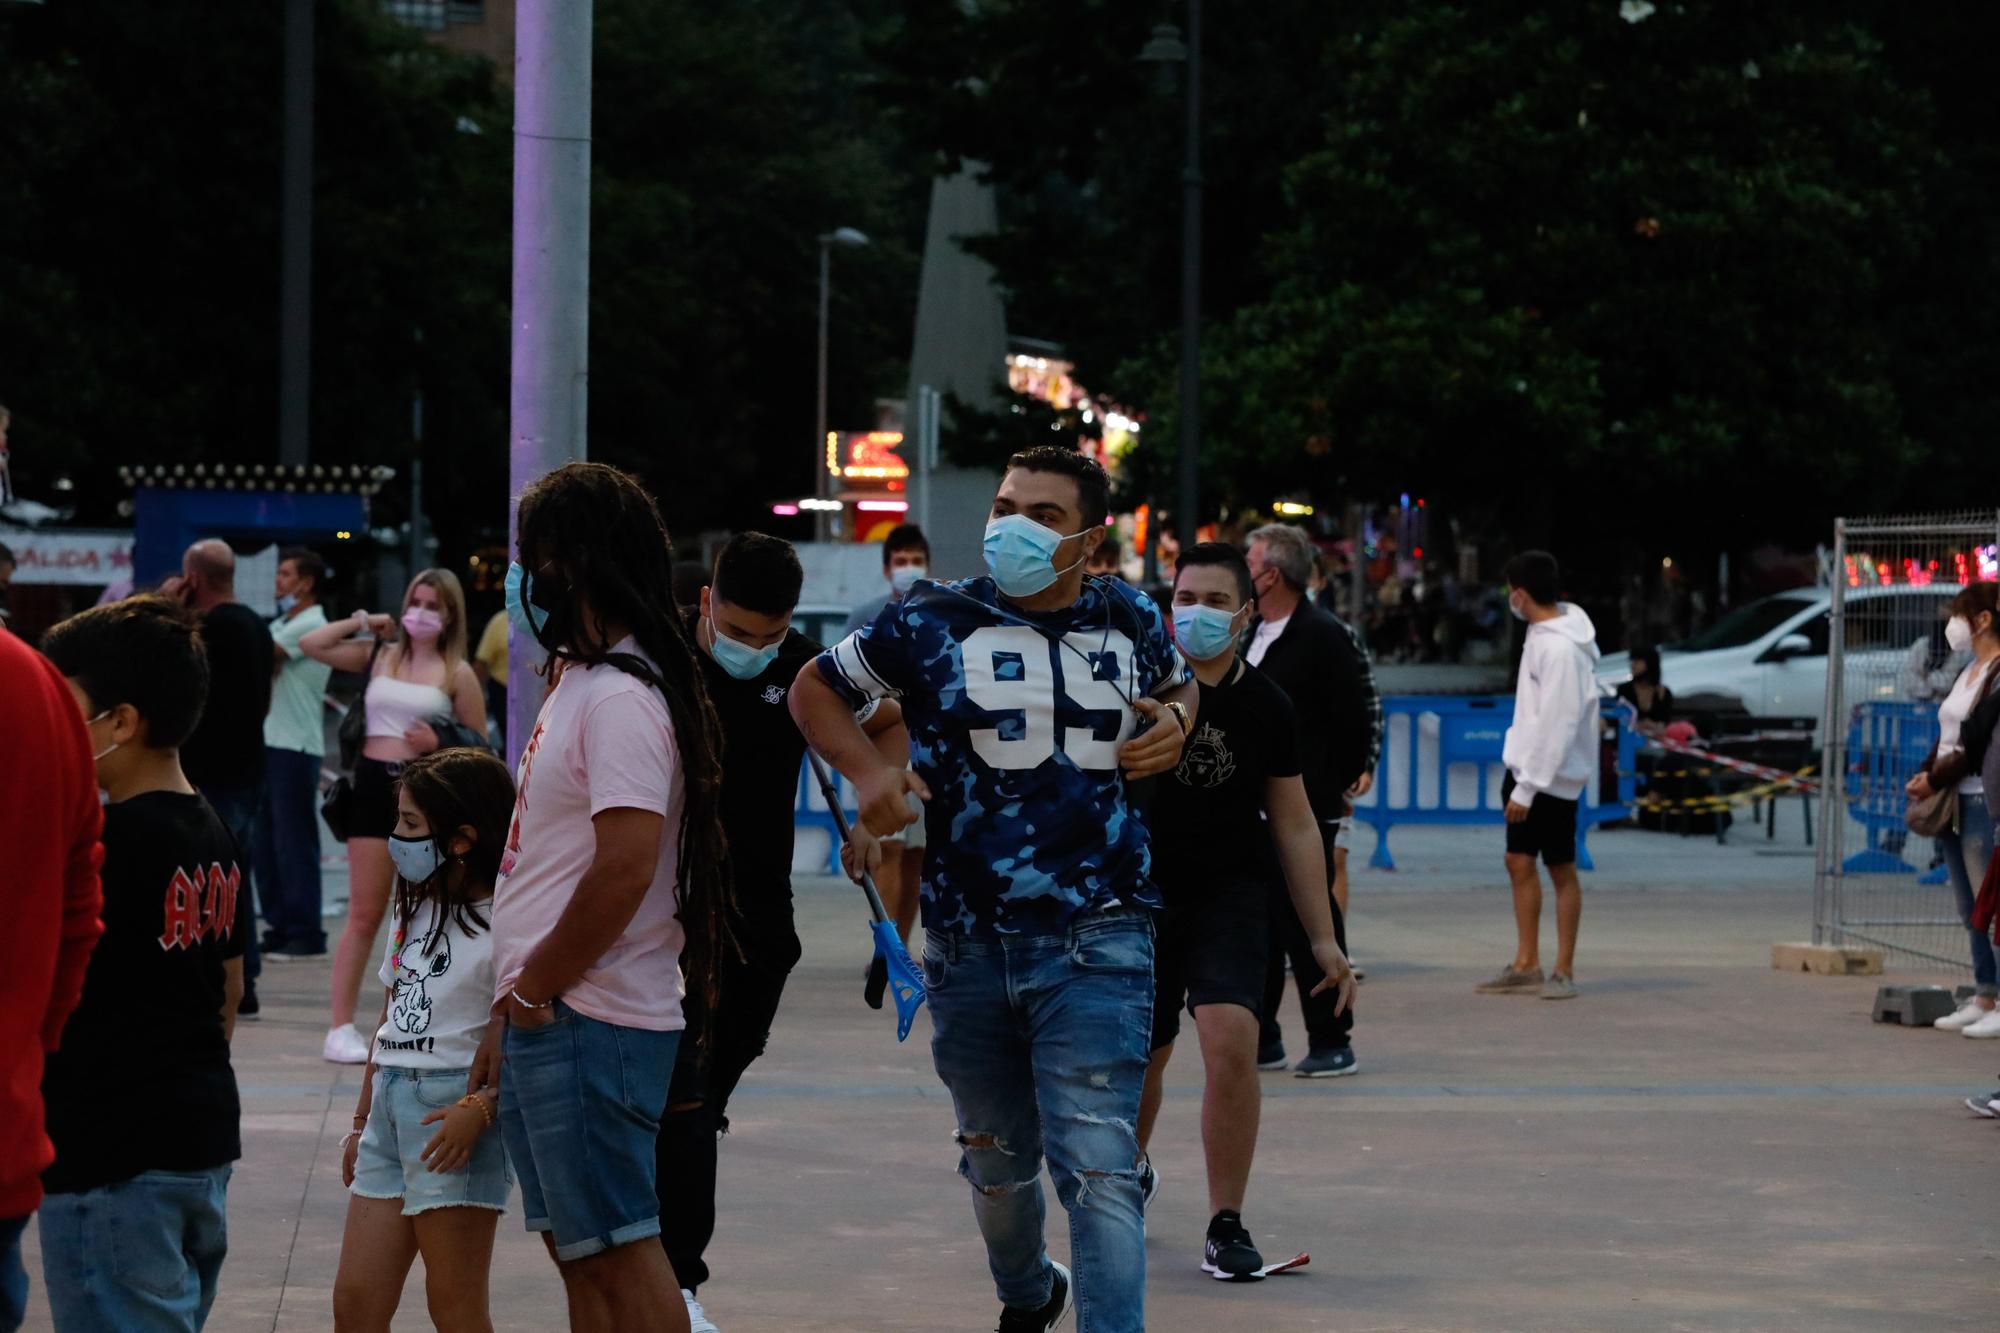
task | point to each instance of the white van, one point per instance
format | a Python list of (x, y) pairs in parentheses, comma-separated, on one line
[(1770, 655)]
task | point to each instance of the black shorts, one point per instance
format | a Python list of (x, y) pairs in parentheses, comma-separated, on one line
[(1210, 951), (1549, 831), (373, 813)]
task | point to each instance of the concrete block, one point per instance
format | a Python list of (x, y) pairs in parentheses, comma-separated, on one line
[(1827, 960), (1913, 1006)]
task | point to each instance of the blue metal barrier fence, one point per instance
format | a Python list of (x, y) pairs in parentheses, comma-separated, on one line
[(1441, 765), (1887, 742)]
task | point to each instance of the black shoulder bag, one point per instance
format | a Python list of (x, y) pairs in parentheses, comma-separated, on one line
[(337, 806)]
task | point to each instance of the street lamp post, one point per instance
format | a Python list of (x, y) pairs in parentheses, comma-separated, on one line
[(822, 485), (1165, 50)]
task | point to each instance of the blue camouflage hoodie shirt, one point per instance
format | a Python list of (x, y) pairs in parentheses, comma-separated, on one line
[(1015, 720)]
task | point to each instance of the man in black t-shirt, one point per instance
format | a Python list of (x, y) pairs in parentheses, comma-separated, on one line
[(142, 1104), (750, 654), (224, 758), (1240, 766)]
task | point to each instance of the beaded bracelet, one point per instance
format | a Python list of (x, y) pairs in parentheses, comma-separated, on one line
[(474, 1100)]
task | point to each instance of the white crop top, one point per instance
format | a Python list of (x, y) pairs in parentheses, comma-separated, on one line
[(394, 704)]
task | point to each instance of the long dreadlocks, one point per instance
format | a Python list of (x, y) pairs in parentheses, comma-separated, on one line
[(592, 532)]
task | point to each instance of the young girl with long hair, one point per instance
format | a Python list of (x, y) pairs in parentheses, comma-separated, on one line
[(419, 673), (425, 1165)]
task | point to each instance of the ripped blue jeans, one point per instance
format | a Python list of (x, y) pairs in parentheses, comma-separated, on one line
[(1042, 1041)]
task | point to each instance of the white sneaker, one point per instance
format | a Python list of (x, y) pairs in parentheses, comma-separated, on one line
[(345, 1046), (1987, 1026), (698, 1320), (1962, 1017)]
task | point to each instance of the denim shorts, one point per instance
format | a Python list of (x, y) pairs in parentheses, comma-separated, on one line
[(390, 1164), (581, 1106)]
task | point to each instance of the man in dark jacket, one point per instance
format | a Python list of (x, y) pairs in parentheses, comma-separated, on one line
[(1313, 658)]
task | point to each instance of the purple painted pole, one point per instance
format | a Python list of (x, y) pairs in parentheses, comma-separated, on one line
[(551, 313)]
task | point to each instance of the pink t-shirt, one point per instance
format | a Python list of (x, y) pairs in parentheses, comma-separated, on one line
[(603, 741)]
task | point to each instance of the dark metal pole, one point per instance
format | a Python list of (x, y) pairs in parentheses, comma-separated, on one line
[(822, 488), (295, 244), (1187, 508)]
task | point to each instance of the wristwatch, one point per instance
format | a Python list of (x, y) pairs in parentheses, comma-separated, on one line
[(1180, 712)]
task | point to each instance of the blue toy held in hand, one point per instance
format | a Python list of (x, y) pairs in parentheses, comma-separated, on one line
[(906, 984)]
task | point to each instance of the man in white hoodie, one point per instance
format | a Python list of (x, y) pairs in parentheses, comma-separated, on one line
[(1551, 752)]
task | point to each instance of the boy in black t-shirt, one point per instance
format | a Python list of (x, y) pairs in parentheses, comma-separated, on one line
[(1240, 765), (750, 654), (142, 1104)]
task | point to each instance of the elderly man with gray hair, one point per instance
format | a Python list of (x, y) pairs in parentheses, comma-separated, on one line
[(1321, 667)]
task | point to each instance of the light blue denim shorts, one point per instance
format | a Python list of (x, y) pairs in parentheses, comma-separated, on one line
[(390, 1164), (582, 1113)]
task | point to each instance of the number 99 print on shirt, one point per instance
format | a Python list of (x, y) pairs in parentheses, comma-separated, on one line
[(1015, 720)]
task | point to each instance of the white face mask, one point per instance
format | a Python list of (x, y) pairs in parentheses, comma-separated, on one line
[(1514, 605), (1958, 633), (109, 748), (903, 577)]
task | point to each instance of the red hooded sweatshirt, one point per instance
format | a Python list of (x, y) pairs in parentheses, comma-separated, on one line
[(49, 897)]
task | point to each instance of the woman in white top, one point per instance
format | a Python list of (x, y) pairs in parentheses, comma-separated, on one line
[(420, 673), (1968, 844)]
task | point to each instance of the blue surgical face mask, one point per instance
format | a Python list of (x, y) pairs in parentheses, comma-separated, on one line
[(519, 608), (417, 859), (902, 577), (1020, 554), (286, 603), (1204, 632), (740, 659)]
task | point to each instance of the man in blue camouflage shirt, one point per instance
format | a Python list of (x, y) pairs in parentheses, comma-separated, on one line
[(1032, 697)]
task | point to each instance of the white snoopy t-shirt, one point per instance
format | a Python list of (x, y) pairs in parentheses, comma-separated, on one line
[(442, 979)]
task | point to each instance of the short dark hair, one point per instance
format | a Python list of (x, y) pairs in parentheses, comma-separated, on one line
[(6, 554), (1221, 555), (309, 562), (144, 651), (760, 573), (1093, 488), (690, 577), (904, 537), (1534, 573)]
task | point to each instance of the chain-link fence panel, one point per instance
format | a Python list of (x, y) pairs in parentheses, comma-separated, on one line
[(1888, 669)]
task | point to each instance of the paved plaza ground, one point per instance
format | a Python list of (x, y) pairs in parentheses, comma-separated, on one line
[(1696, 1143)]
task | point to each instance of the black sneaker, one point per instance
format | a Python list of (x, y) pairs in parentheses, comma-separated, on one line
[(1985, 1104), (878, 982), (1229, 1255), (247, 1007), (1327, 1062), (1270, 1055), (1051, 1315), (1149, 1184)]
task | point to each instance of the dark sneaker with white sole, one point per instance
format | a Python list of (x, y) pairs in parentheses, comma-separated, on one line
[(1513, 981), (1149, 1184), (1051, 1315), (1270, 1055), (1327, 1062), (1229, 1255), (1985, 1104)]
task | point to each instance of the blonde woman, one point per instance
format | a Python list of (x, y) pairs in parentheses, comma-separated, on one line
[(420, 673)]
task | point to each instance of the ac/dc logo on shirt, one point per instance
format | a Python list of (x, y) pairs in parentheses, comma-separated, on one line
[(200, 906)]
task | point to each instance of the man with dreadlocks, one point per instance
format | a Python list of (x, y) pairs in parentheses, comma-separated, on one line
[(1022, 693), (613, 885)]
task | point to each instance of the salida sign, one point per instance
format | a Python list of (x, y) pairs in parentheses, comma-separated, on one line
[(88, 558)]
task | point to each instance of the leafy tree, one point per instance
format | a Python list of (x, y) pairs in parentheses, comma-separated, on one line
[(1652, 279), (139, 168)]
